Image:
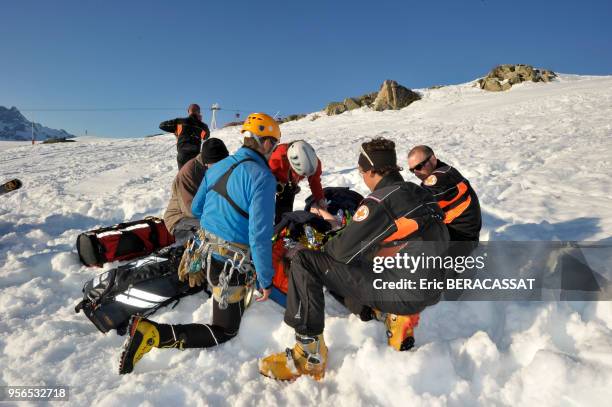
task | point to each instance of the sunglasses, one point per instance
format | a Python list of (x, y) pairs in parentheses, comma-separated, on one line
[(257, 138), (420, 165)]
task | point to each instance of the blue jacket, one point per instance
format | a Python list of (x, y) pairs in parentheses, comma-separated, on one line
[(253, 187)]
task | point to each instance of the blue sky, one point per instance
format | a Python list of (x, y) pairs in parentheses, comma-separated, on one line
[(270, 56)]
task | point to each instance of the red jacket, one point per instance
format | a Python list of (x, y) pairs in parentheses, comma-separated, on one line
[(279, 164)]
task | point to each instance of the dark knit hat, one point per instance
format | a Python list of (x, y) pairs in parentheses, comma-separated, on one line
[(213, 150)]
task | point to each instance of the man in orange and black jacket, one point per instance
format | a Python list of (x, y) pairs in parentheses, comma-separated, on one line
[(190, 131), (398, 218), (453, 192)]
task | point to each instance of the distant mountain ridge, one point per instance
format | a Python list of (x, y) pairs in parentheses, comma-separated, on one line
[(14, 126)]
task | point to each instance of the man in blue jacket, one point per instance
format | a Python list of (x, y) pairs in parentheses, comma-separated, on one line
[(235, 204)]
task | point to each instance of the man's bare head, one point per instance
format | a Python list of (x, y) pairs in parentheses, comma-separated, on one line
[(194, 109), (422, 161)]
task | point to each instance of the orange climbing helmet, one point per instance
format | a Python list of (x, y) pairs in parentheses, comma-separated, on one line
[(261, 125)]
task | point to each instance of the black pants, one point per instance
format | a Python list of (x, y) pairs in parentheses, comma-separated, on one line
[(284, 200), (184, 155), (312, 270), (224, 326)]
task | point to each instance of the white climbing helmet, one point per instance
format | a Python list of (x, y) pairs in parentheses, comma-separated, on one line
[(302, 158)]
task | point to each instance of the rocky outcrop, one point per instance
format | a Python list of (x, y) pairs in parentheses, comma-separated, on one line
[(393, 96), (503, 77), (351, 104), (291, 117), (335, 108), (367, 99)]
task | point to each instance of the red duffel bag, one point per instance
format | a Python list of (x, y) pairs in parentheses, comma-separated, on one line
[(124, 241)]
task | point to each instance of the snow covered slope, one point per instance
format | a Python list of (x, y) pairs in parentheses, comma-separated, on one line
[(539, 155)]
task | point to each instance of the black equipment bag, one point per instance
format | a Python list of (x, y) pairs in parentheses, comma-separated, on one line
[(339, 198), (295, 221), (124, 241), (140, 287)]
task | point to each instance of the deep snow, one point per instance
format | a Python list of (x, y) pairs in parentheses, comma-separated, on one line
[(539, 158)]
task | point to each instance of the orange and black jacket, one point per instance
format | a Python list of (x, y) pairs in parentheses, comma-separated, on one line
[(397, 211), (458, 200), (190, 131)]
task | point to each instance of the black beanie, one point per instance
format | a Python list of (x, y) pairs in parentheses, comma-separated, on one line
[(213, 150)]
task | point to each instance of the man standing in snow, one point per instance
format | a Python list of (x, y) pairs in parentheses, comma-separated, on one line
[(235, 203), (394, 214), (189, 132), (178, 217), (453, 192), (290, 163)]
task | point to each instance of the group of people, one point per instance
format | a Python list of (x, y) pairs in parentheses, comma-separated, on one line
[(227, 206), (197, 151)]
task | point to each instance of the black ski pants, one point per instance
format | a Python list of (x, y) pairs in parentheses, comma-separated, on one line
[(311, 271), (225, 322), (185, 154)]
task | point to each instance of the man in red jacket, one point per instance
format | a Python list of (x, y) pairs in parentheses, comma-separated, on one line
[(291, 163)]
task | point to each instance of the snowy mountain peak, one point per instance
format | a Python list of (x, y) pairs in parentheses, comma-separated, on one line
[(15, 126)]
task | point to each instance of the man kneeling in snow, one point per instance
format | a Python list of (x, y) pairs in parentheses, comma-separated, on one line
[(235, 203), (397, 217), (178, 217)]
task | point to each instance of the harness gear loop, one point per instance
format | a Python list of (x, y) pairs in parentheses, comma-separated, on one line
[(236, 258)]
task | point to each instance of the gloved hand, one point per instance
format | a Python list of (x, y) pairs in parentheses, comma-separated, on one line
[(197, 279), (322, 203), (183, 269)]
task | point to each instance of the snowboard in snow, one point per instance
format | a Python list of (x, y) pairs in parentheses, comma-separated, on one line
[(10, 186)]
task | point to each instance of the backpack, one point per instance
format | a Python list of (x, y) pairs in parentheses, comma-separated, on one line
[(140, 287), (124, 241), (342, 202)]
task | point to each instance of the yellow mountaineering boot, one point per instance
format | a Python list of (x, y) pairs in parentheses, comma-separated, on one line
[(308, 357), (400, 330), (143, 336)]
